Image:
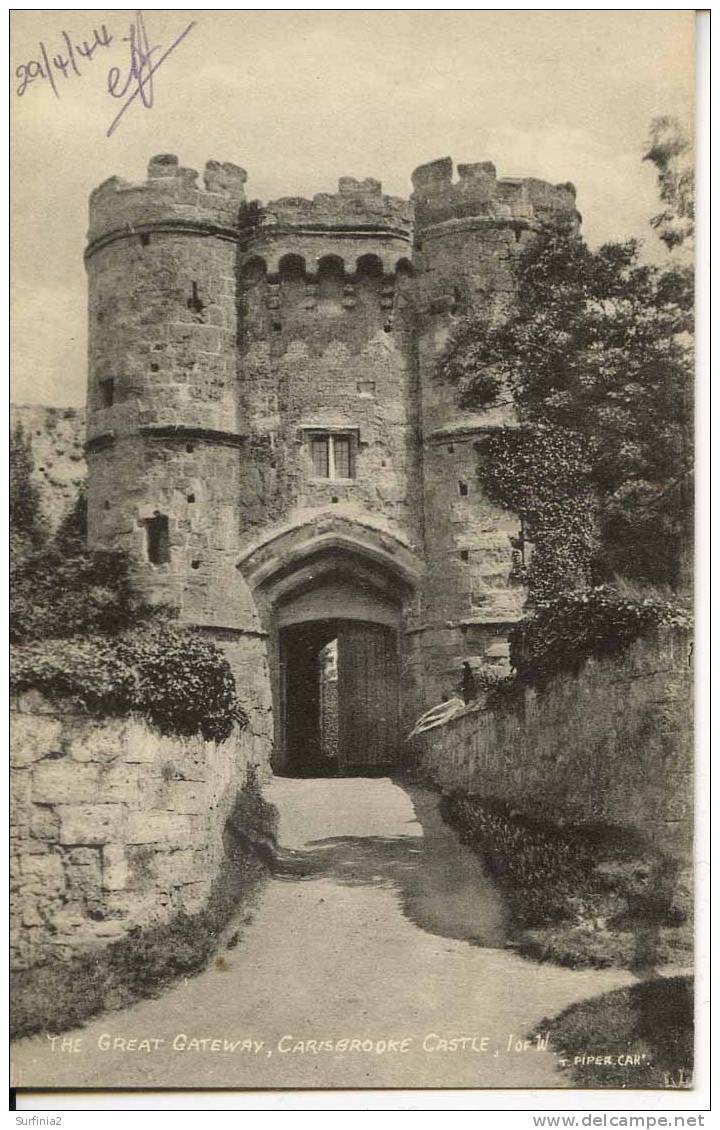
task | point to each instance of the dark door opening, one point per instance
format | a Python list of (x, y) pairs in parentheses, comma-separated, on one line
[(341, 698)]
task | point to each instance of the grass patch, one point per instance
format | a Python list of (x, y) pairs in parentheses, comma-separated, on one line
[(578, 895), (60, 995), (650, 1024)]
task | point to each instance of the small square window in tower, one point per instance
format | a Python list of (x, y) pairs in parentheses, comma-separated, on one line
[(157, 533), (332, 455)]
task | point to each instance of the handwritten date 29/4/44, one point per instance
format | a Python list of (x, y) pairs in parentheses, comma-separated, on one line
[(131, 82)]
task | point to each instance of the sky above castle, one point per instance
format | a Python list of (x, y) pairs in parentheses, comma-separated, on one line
[(302, 98)]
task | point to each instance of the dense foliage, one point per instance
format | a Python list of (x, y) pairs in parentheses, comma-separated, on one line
[(59, 588), (558, 511), (671, 153), (598, 346), (180, 682), (578, 894), (566, 631), (27, 526)]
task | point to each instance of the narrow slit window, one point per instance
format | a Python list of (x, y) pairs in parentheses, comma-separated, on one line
[(157, 532), (107, 392), (462, 489)]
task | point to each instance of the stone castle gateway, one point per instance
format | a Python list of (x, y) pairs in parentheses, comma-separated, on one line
[(270, 441)]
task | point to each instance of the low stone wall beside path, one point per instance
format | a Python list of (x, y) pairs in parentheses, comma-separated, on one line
[(611, 745), (113, 825)]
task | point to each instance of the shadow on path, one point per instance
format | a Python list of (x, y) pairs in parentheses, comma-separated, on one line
[(442, 884)]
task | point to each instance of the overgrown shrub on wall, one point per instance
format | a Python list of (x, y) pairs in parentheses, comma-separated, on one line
[(563, 633), (88, 639), (27, 525), (178, 681), (59, 588), (542, 472)]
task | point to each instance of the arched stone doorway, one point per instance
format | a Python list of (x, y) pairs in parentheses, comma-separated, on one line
[(344, 587)]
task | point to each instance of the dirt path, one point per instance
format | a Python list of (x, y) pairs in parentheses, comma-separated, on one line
[(378, 928)]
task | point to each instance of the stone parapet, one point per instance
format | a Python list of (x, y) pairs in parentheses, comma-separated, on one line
[(356, 204), (172, 197), (479, 194)]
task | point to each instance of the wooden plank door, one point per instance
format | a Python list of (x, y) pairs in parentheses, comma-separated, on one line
[(368, 693)]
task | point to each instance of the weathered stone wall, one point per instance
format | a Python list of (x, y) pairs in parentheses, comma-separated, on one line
[(325, 344), (57, 438), (112, 825), (612, 745)]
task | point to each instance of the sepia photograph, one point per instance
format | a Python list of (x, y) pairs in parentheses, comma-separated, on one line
[(351, 550)]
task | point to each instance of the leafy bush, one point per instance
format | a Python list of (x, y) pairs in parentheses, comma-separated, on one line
[(465, 364), (56, 596), (654, 1019), (180, 682), (578, 895), (87, 673), (596, 345), (27, 524), (59, 588), (565, 632)]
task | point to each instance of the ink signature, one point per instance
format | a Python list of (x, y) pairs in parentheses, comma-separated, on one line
[(136, 81), (139, 80)]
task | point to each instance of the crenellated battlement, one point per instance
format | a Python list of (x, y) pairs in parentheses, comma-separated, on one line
[(172, 199), (171, 196), (478, 193), (356, 204)]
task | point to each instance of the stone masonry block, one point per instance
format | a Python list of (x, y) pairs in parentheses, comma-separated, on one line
[(115, 872), (187, 797), (176, 868), (44, 871), (84, 873), (91, 823), (89, 742), (20, 792), (139, 744), (158, 827), (121, 783), (33, 736), (44, 824), (34, 702), (64, 782)]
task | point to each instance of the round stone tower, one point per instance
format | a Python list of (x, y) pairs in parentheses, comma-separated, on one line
[(165, 442), (467, 234)]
